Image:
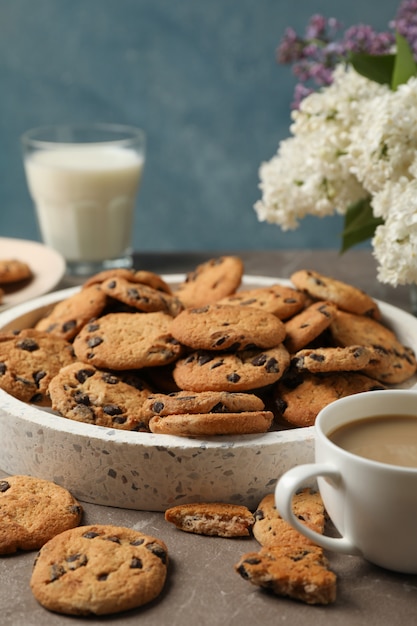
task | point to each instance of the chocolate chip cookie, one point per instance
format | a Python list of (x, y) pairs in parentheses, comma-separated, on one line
[(83, 393), (29, 359), (212, 424), (212, 518), (245, 370), (32, 511), (124, 341), (225, 327), (210, 281), (99, 570)]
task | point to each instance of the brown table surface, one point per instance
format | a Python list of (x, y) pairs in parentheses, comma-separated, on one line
[(202, 586)]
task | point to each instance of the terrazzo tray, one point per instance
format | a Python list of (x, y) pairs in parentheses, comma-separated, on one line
[(145, 471)]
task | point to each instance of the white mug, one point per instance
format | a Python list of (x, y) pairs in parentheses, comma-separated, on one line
[(373, 505)]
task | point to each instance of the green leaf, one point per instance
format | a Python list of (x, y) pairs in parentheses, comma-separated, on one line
[(379, 68), (405, 66), (360, 224)]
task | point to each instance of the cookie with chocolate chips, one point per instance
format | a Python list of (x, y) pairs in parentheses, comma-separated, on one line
[(68, 316), (143, 277), (245, 370), (212, 424), (85, 394), (218, 519), (99, 570), (345, 296), (29, 359), (336, 359), (201, 402), (307, 325), (125, 341), (271, 529), (225, 327), (32, 511), (281, 300), (298, 572), (210, 281), (141, 296)]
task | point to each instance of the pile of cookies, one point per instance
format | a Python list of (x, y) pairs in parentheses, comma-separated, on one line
[(12, 273), (205, 357)]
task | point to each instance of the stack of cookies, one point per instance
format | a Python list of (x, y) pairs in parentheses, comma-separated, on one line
[(205, 357)]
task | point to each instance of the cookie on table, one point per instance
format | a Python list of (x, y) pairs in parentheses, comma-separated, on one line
[(212, 518), (299, 398), (210, 281), (307, 325), (85, 394), (32, 511), (99, 570), (343, 295), (336, 359), (225, 327), (13, 271), (125, 341), (143, 277), (271, 529), (298, 572), (29, 359), (212, 424), (141, 296), (281, 300), (68, 316), (201, 402), (246, 370)]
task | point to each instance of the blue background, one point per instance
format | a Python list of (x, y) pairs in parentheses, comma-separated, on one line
[(199, 77)]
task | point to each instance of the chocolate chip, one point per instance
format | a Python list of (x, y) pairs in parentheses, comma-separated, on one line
[(93, 326), (158, 551), (30, 345), (259, 514), (137, 542), (220, 407), (90, 534), (233, 378), (136, 563), (114, 539), (272, 366), (75, 509), (55, 572), (76, 560), (81, 398), (259, 360), (83, 374), (204, 358), (101, 577), (93, 342), (3, 369), (37, 377), (157, 407), (70, 325), (4, 486), (112, 409)]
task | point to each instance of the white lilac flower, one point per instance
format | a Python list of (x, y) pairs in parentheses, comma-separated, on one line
[(384, 142), (395, 242), (309, 174)]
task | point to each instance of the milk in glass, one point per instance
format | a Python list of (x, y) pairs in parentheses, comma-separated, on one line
[(85, 196)]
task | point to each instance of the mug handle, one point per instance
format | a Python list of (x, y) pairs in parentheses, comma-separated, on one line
[(293, 480)]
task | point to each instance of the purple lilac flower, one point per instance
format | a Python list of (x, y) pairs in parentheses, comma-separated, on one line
[(315, 55), (405, 23)]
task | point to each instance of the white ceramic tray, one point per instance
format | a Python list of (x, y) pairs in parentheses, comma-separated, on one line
[(145, 471)]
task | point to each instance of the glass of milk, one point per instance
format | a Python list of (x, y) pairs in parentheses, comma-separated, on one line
[(84, 182)]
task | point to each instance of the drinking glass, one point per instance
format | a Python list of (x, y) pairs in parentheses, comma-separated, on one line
[(84, 182)]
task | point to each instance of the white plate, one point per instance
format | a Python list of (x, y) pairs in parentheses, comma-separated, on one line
[(47, 265), (145, 471)]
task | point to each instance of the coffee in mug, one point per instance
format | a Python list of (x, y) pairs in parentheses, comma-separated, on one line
[(372, 502)]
